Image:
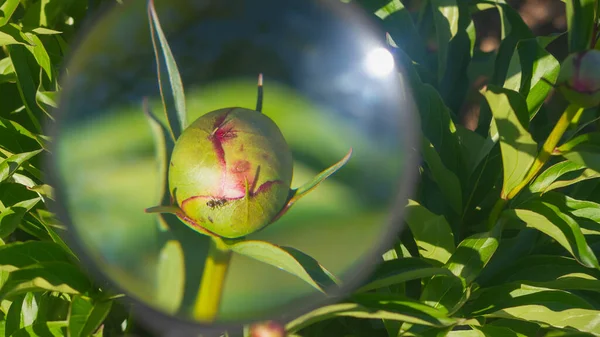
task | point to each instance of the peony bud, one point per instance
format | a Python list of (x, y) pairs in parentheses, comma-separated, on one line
[(579, 78), (230, 172), (267, 329)]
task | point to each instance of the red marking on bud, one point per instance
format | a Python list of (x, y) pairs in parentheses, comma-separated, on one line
[(265, 186), (241, 166)]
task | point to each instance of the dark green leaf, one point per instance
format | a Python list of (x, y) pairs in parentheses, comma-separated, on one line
[(16, 138), (86, 316), (287, 259), (42, 329), (517, 146), (178, 121), (445, 19), (446, 293), (530, 67), (401, 270), (6, 10), (432, 233), (584, 150), (375, 306), (46, 276), (25, 83), (445, 179), (398, 22), (580, 23), (11, 34), (549, 219), (547, 180), (473, 253), (12, 163), (39, 53), (170, 277), (497, 331), (22, 312), (22, 254), (11, 217)]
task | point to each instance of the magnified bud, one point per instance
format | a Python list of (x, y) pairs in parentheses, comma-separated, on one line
[(579, 78), (231, 171), (267, 329)]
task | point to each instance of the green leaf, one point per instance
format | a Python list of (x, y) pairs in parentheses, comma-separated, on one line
[(401, 270), (85, 316), (11, 217), (11, 34), (42, 329), (583, 149), (473, 253), (497, 331), (16, 139), (549, 219), (25, 83), (40, 54), (531, 66), (12, 163), (311, 185), (46, 276), (581, 210), (490, 300), (287, 259), (445, 292), (170, 277), (445, 19), (547, 180), (178, 121), (19, 255), (397, 21), (445, 179), (432, 233), (513, 31), (375, 306), (517, 146), (6, 10), (22, 312), (580, 24)]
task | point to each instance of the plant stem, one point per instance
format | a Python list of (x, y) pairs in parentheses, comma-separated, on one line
[(213, 280), (569, 117), (561, 126)]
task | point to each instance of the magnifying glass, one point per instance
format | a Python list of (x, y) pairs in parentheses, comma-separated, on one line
[(227, 162)]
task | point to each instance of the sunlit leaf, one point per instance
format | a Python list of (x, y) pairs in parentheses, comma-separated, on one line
[(445, 19), (11, 217), (473, 253), (85, 316), (580, 24), (517, 146), (287, 259), (432, 233), (6, 10)]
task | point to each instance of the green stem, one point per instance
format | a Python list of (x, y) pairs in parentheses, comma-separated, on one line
[(561, 126), (213, 281), (569, 117)]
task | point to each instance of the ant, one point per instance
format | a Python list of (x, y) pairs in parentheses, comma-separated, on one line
[(216, 203)]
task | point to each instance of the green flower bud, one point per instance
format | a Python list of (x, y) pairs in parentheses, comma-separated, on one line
[(230, 172), (579, 78)]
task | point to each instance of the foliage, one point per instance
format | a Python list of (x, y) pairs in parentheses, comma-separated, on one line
[(502, 232)]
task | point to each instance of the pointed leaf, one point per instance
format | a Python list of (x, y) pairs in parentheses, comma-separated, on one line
[(11, 34), (19, 255), (517, 146), (584, 150), (12, 163), (16, 139), (473, 253), (40, 54), (432, 233), (11, 217), (532, 68), (86, 316), (547, 178), (170, 277), (373, 306), (177, 121), (25, 84), (287, 259), (548, 219), (42, 329), (309, 186), (46, 276), (580, 24), (6, 10), (399, 271), (446, 293)]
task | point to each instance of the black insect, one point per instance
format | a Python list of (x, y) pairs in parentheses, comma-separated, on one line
[(216, 203)]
